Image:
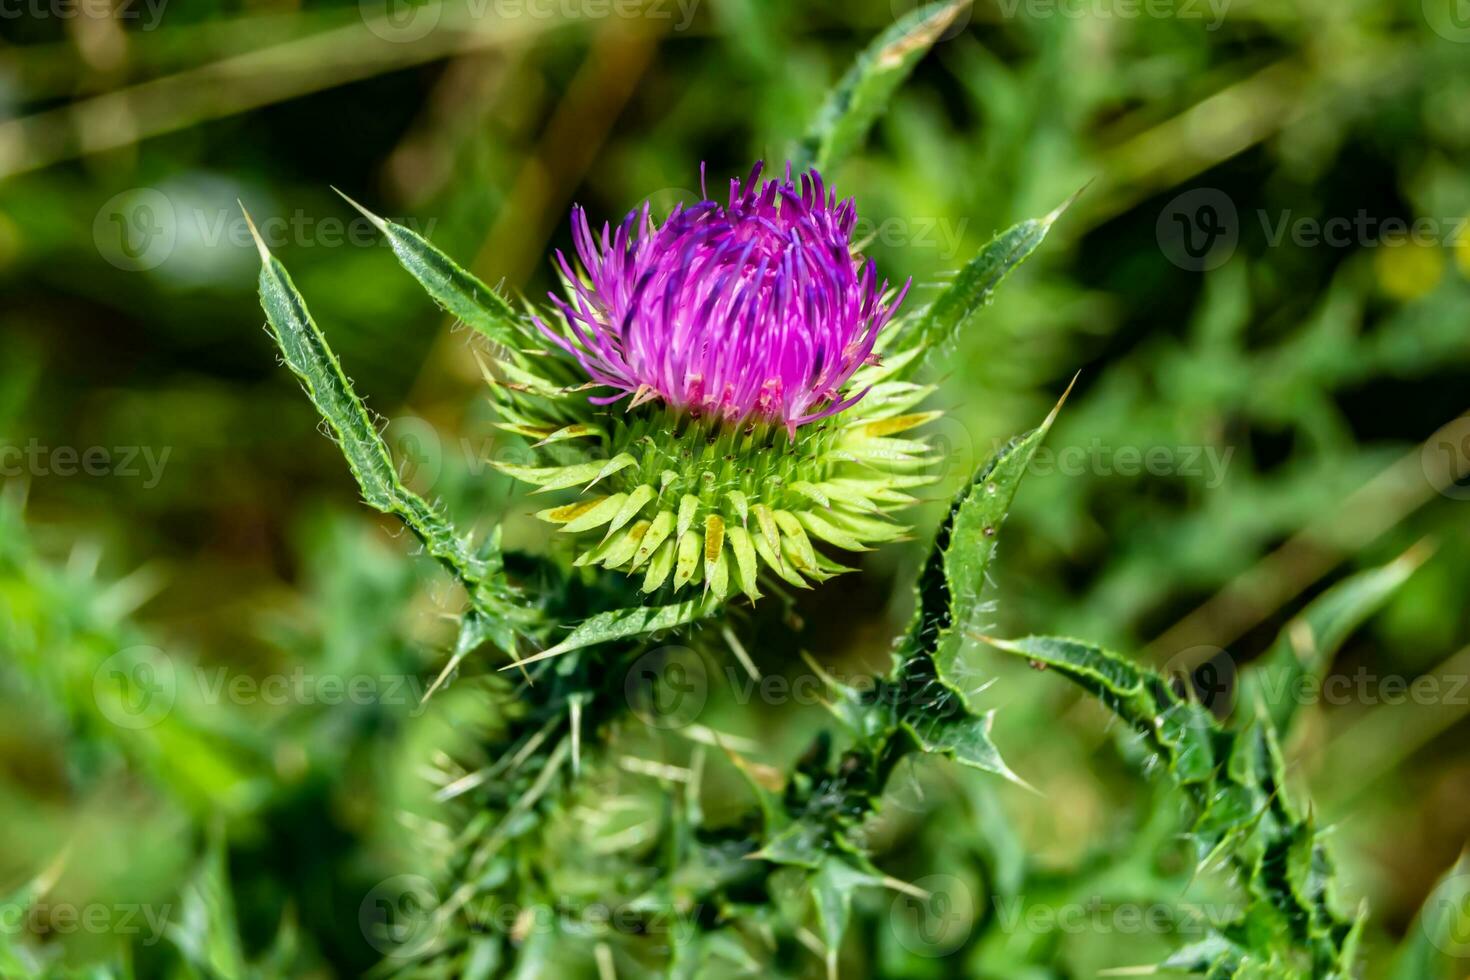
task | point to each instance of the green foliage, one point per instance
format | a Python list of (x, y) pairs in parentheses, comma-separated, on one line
[(1298, 661), (548, 786), (1236, 784)]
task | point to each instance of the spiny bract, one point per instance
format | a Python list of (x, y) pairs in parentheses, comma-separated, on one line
[(761, 422)]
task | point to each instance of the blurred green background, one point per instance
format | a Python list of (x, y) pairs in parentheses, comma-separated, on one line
[(1273, 356)]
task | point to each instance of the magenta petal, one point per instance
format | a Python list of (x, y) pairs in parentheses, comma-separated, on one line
[(757, 309)]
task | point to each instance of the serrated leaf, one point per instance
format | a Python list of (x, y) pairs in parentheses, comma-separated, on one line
[(309, 357), (1181, 730), (622, 624), (964, 738), (1236, 783), (973, 288), (452, 287), (953, 578)]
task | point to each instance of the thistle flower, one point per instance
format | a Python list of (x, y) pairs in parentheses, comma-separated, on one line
[(737, 395), (753, 310)]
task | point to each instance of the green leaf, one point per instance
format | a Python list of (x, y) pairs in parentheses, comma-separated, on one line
[(972, 290), (1178, 729), (1302, 653), (312, 361), (965, 738), (864, 92), (832, 886), (622, 624), (452, 287), (952, 581), (1236, 785)]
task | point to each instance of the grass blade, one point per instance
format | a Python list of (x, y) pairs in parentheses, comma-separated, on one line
[(1303, 653)]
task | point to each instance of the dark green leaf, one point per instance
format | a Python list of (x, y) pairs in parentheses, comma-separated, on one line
[(308, 356), (952, 581)]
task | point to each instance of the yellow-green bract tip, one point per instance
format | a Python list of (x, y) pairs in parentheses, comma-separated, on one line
[(1061, 209), (265, 253), (378, 222)]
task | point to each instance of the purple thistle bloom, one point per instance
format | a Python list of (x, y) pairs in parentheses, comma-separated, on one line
[(752, 310)]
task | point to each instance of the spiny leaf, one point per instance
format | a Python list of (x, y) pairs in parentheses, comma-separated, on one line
[(455, 289), (312, 361), (622, 624), (1179, 729), (950, 585), (1235, 782), (864, 92), (963, 737), (973, 289)]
